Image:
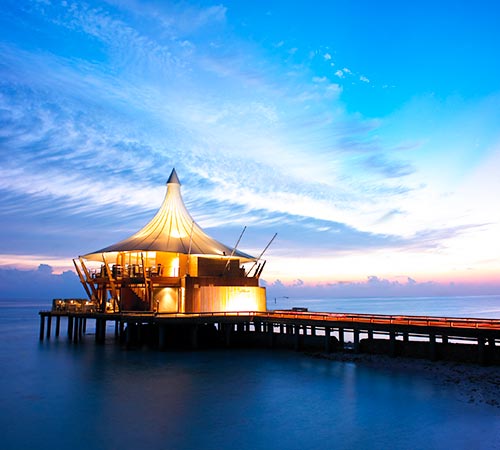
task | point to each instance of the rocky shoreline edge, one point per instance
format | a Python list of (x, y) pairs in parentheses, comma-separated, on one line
[(476, 384)]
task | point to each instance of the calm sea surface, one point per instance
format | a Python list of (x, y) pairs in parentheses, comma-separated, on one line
[(54, 395)]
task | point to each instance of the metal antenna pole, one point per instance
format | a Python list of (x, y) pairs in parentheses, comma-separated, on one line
[(263, 251), (234, 248)]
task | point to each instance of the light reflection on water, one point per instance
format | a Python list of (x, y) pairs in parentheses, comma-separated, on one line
[(54, 395)]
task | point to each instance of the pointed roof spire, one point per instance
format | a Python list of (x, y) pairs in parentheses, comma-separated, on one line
[(172, 229), (173, 178)]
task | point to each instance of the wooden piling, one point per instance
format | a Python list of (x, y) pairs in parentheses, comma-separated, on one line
[(297, 338), (70, 327), (58, 325), (128, 334), (356, 341), (270, 333), (227, 334), (49, 325), (76, 327), (162, 337), (42, 326), (327, 340), (194, 337), (481, 351), (432, 347), (392, 345), (103, 331), (341, 337), (97, 329)]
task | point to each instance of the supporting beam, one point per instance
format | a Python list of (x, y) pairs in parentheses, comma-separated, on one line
[(82, 280), (89, 281)]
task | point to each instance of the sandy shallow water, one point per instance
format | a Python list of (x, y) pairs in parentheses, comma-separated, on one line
[(475, 383)]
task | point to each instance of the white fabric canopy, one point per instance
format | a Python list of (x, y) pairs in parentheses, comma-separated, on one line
[(172, 229)]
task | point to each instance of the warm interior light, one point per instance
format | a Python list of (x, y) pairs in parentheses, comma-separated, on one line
[(231, 299), (166, 300), (243, 299), (175, 267)]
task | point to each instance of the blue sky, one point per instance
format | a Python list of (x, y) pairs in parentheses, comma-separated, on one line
[(366, 134)]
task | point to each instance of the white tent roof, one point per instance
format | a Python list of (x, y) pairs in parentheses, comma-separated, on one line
[(172, 229)]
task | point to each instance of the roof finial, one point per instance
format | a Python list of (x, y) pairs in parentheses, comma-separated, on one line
[(173, 178)]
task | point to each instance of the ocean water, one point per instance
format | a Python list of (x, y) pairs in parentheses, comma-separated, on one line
[(56, 395), (481, 306)]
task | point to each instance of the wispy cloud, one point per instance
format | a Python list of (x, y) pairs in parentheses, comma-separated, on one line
[(123, 91)]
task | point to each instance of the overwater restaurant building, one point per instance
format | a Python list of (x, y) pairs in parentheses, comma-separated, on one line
[(172, 266)]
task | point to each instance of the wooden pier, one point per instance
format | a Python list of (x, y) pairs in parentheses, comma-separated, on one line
[(459, 339)]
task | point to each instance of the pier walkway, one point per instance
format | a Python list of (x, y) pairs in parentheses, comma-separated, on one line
[(463, 339)]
